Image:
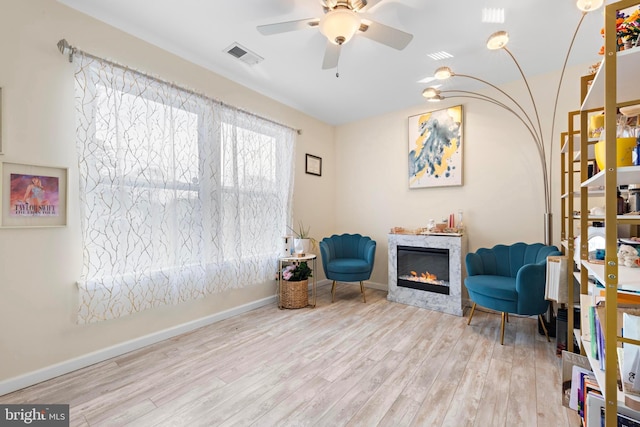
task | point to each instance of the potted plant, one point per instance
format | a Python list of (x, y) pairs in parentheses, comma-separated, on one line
[(295, 285), (296, 273), (303, 242)]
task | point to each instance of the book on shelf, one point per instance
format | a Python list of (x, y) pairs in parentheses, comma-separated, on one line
[(556, 288), (631, 398), (593, 347), (589, 386), (595, 410), (631, 365), (585, 329), (572, 362), (600, 317), (599, 327), (579, 379)]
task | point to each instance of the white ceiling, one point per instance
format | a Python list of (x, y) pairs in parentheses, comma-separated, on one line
[(374, 79)]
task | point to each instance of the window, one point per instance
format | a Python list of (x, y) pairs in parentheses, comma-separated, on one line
[(181, 196)]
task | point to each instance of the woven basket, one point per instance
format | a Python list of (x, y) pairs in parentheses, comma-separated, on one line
[(294, 294)]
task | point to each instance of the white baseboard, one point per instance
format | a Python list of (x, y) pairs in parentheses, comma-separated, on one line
[(379, 286), (35, 377), (371, 285)]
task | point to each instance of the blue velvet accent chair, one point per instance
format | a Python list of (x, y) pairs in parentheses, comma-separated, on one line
[(509, 279), (347, 258)]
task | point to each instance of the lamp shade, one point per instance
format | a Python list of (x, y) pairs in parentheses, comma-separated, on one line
[(443, 73), (430, 92), (498, 40), (589, 5), (339, 25)]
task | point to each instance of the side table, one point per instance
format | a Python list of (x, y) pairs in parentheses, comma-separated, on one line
[(295, 260)]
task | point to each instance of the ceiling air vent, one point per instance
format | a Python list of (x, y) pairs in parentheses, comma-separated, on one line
[(244, 54)]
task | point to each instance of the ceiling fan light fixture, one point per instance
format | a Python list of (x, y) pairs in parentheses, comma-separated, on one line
[(589, 5), (443, 73), (339, 25), (498, 40)]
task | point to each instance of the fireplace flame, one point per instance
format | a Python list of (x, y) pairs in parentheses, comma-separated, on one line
[(424, 277)]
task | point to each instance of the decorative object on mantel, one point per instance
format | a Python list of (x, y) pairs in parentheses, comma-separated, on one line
[(499, 40), (446, 227), (444, 231)]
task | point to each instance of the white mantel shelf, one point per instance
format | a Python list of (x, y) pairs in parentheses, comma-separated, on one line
[(457, 246)]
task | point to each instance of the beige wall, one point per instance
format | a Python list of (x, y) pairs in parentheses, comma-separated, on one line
[(39, 267), (363, 187), (502, 197)]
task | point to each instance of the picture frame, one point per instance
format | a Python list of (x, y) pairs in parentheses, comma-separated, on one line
[(33, 196), (313, 165), (435, 148)]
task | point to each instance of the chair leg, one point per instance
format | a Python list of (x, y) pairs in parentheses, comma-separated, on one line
[(364, 298), (544, 328), (507, 317), (333, 291), (504, 315), (473, 308)]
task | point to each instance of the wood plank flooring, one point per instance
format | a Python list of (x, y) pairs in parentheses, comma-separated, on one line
[(341, 364)]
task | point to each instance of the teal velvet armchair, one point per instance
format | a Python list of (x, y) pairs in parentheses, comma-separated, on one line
[(347, 258), (509, 279)]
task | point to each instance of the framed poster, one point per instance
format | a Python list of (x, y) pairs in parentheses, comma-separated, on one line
[(313, 165), (33, 196), (435, 148)]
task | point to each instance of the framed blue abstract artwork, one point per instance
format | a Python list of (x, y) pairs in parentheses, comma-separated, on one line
[(435, 148)]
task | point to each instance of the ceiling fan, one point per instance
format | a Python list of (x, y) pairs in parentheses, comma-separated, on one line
[(341, 21)]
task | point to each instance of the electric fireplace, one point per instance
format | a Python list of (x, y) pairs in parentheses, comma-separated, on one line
[(427, 271)]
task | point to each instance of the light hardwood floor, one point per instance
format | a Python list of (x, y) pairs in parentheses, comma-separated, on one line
[(346, 363)]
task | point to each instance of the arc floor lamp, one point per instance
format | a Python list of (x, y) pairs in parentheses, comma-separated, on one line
[(499, 40)]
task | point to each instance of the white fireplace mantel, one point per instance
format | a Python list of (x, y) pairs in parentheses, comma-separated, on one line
[(457, 246)]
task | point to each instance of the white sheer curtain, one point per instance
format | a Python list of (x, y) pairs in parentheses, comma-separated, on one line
[(181, 196)]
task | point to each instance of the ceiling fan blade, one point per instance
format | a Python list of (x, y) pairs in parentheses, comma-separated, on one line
[(284, 27), (386, 35), (331, 56)]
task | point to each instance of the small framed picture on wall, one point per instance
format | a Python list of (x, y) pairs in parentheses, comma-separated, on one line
[(313, 165)]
